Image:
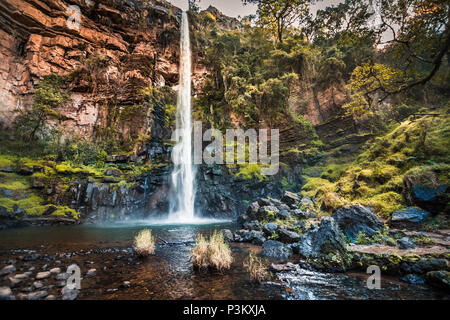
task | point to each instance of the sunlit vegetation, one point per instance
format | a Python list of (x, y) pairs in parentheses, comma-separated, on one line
[(256, 268), (414, 152), (144, 243), (212, 253)]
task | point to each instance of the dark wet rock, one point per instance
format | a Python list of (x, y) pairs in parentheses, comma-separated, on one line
[(91, 273), (276, 250), (228, 235), (422, 265), (252, 225), (432, 198), (283, 215), (324, 246), (440, 279), (290, 198), (406, 243), (7, 270), (286, 236), (126, 284), (353, 220), (60, 284), (268, 213), (300, 214), (413, 279), (43, 275), (408, 217), (5, 293), (38, 295), (69, 294), (270, 228)]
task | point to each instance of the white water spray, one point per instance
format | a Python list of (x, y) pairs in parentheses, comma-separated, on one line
[(182, 204)]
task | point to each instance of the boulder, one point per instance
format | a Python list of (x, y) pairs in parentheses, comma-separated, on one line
[(303, 214), (283, 215), (290, 198), (113, 173), (270, 228), (431, 198), (324, 246), (406, 243), (252, 225), (276, 250), (228, 235), (408, 217), (440, 279), (286, 236), (353, 220)]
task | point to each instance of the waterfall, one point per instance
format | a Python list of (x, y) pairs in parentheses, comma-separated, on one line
[(183, 175)]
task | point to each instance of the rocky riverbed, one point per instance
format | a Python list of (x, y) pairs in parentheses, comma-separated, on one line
[(34, 262)]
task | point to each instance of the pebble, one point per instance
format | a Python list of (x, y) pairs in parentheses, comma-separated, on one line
[(50, 297), (55, 271), (91, 273), (38, 295), (69, 294), (38, 284), (5, 293), (7, 270), (43, 275)]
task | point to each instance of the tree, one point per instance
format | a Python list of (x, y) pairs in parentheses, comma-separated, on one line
[(278, 15), (47, 98)]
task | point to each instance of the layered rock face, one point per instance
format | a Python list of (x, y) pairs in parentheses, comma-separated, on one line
[(119, 47)]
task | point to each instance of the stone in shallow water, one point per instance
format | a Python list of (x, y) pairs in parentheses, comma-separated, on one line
[(91, 273), (55, 271), (7, 270), (5, 293), (69, 294), (39, 295), (43, 275)]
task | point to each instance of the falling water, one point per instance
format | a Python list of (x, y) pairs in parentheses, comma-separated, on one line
[(182, 206)]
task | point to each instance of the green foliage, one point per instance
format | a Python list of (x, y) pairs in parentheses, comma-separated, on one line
[(377, 176), (31, 124)]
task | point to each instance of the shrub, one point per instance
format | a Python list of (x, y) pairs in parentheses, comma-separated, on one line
[(144, 243), (256, 267), (215, 253)]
